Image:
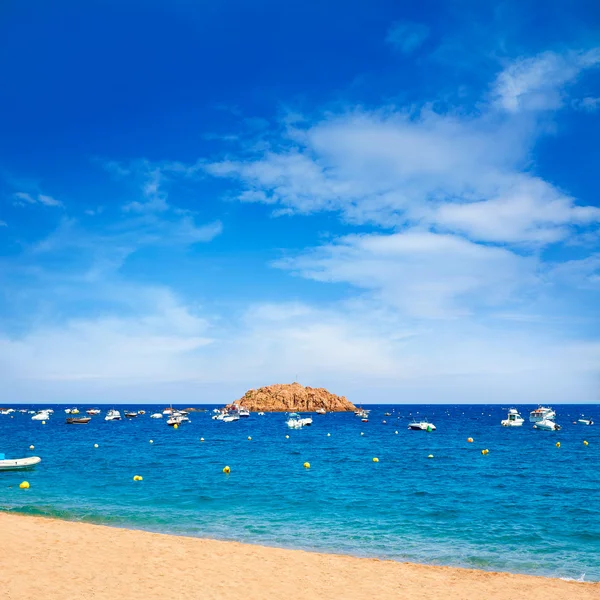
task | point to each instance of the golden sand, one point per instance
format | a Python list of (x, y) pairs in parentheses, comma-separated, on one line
[(48, 559)]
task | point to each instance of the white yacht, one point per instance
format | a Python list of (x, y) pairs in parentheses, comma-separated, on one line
[(421, 426), (156, 416), (244, 412), (546, 425), (541, 413), (514, 419), (41, 415), (230, 417), (113, 415)]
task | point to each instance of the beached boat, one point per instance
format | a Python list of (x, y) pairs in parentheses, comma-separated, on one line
[(514, 419), (541, 413), (16, 464), (113, 415), (585, 421), (421, 426), (547, 425), (78, 420), (156, 416), (41, 415)]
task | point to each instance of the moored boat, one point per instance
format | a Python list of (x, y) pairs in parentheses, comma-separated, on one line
[(41, 415), (421, 426), (585, 421), (156, 416), (547, 425), (541, 413), (93, 411), (513, 419), (130, 415), (16, 464), (113, 415), (78, 420)]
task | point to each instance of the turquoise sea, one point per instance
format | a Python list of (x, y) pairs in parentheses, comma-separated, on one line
[(526, 507)]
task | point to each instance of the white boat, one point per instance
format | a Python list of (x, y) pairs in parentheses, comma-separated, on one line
[(321, 411), (514, 419), (41, 415), (541, 413), (7, 411), (421, 426), (156, 416), (546, 425), (306, 421), (230, 417), (182, 416), (584, 421), (93, 411), (294, 423), (113, 415), (15, 464), (261, 414), (167, 411), (244, 412)]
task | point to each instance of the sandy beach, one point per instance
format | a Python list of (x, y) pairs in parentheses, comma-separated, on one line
[(58, 560)]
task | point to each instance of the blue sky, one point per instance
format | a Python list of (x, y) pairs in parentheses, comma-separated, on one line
[(399, 203)]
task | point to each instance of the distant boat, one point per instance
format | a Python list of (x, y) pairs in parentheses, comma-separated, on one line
[(7, 411), (93, 411), (156, 416), (243, 412), (78, 420), (514, 419), (547, 425), (541, 413), (585, 421), (41, 415), (16, 464), (261, 414), (421, 426), (113, 415), (321, 411), (131, 415), (141, 412)]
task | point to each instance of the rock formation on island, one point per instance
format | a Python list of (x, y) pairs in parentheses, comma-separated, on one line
[(293, 397)]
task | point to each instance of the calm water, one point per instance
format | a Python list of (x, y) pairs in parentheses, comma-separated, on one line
[(526, 507)]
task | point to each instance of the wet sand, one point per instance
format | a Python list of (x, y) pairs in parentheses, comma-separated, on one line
[(49, 559)]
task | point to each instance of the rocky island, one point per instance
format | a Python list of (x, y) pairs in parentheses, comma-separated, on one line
[(293, 397)]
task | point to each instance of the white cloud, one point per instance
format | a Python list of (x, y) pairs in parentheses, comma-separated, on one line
[(537, 83), (23, 198), (423, 275), (406, 36), (587, 104)]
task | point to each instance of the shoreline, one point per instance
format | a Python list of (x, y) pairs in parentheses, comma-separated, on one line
[(80, 560)]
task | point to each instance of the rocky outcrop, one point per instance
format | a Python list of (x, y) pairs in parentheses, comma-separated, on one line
[(293, 397)]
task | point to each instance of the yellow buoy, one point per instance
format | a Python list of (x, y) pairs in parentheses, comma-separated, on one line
[(175, 426), (151, 442), (24, 485), (307, 465), (375, 459), (32, 447), (486, 451), (95, 445), (43, 422), (558, 444), (585, 443), (249, 438), (287, 437), (430, 456), (138, 478), (226, 470), (470, 440)]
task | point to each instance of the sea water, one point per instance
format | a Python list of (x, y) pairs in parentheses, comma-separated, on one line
[(526, 507)]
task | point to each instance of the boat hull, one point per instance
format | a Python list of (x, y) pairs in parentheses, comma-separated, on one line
[(19, 464)]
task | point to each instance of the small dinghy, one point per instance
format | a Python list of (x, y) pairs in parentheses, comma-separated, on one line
[(78, 420), (16, 464)]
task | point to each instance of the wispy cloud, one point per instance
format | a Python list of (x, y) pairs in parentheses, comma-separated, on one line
[(537, 83), (588, 104), (406, 36), (23, 198)]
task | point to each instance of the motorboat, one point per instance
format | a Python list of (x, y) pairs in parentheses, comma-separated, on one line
[(72, 411), (78, 420), (513, 419), (41, 415), (244, 413), (156, 416), (230, 417), (167, 411), (113, 415), (174, 420), (306, 421), (130, 415), (93, 411), (7, 411), (23, 411), (363, 414), (365, 420), (16, 464), (294, 423), (585, 421), (182, 416), (321, 411), (261, 414), (541, 413), (547, 425), (421, 426), (141, 412)]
